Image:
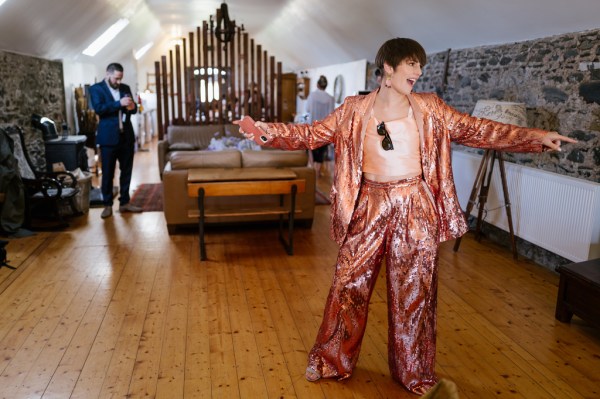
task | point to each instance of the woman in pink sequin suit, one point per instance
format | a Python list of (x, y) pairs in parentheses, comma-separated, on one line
[(393, 196)]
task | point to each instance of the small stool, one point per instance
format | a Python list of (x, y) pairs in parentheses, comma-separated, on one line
[(579, 292)]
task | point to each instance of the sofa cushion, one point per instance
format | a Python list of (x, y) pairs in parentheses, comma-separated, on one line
[(182, 147), (274, 158), (205, 159)]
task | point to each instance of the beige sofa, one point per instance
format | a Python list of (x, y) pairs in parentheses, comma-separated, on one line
[(185, 148)]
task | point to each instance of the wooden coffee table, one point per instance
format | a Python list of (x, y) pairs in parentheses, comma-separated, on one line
[(579, 292), (208, 182)]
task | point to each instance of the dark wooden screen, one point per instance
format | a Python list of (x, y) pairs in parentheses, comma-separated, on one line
[(208, 81)]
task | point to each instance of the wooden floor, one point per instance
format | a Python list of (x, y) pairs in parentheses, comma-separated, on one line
[(118, 308)]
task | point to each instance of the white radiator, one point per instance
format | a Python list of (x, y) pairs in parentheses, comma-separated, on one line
[(555, 212)]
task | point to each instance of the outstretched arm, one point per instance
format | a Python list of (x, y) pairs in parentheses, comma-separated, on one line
[(289, 136)]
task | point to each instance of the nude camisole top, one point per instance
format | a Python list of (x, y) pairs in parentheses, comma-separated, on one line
[(404, 161)]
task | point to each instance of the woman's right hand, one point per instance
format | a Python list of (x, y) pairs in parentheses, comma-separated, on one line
[(260, 129)]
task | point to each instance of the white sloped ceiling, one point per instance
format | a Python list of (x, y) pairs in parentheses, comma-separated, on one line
[(301, 33)]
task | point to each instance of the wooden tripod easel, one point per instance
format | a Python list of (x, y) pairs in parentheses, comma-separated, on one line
[(482, 185)]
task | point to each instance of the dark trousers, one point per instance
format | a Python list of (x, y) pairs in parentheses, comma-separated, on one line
[(123, 153), (319, 154)]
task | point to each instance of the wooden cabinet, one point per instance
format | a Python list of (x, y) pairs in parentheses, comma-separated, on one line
[(288, 97), (69, 150)]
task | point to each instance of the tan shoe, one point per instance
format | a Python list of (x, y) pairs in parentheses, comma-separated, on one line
[(130, 208), (106, 212)]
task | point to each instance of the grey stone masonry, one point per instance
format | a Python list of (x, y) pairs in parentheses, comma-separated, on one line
[(30, 85)]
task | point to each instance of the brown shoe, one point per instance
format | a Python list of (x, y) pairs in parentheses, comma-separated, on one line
[(106, 212), (130, 208)]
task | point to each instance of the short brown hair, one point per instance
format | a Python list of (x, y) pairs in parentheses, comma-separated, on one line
[(322, 82), (394, 51)]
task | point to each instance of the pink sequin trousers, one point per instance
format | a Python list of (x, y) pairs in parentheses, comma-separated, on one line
[(396, 220)]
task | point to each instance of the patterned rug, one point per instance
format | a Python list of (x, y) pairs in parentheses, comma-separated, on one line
[(149, 197)]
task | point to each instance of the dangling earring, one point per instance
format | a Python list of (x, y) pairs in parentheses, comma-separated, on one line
[(388, 80)]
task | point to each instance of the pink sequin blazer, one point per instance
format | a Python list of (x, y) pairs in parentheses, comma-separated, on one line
[(439, 125)]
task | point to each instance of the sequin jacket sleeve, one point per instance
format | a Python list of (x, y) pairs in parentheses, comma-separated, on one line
[(292, 136), (484, 133)]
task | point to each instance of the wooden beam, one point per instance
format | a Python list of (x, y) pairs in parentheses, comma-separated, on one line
[(239, 87), (258, 97), (159, 101), (172, 86), (265, 92), (272, 89), (190, 96), (279, 102), (246, 86), (204, 66), (219, 46), (165, 92), (177, 92), (231, 82)]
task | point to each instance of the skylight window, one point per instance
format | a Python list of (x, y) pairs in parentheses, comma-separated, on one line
[(140, 53), (106, 37)]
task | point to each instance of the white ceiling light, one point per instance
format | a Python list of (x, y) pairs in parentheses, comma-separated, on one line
[(139, 53), (106, 37)]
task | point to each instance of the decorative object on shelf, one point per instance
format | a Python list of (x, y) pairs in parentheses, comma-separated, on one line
[(87, 120), (505, 112)]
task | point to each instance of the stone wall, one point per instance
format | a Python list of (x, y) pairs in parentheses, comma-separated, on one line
[(544, 74), (30, 85)]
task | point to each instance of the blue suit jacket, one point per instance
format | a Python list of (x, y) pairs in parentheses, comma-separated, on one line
[(107, 109)]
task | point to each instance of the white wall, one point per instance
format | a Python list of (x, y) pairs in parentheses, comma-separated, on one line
[(353, 74)]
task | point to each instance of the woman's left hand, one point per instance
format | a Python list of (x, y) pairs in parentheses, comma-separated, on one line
[(553, 140)]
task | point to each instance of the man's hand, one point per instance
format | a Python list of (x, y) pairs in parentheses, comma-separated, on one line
[(127, 102)]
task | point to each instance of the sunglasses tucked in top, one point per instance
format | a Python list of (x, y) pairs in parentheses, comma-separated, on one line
[(386, 143)]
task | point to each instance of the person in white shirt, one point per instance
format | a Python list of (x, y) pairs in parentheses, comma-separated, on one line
[(319, 104)]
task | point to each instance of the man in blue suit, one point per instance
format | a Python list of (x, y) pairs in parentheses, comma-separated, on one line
[(113, 102)]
